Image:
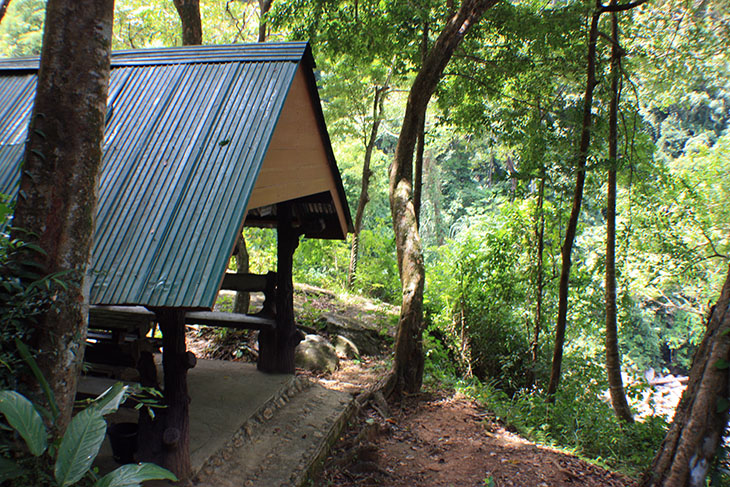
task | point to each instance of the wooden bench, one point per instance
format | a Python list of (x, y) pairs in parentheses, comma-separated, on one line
[(138, 319)]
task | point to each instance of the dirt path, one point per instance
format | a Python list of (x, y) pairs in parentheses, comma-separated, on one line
[(442, 440)]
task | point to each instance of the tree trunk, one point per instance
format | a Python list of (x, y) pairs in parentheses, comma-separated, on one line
[(570, 231), (192, 30), (58, 192), (408, 360), (420, 143), (242, 300), (264, 7), (378, 103), (540, 238), (694, 438), (613, 360), (4, 4)]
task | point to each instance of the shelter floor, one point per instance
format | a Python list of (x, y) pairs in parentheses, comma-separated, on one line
[(225, 398)]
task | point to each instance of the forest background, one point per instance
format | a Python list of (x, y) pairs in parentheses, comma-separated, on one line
[(497, 179)]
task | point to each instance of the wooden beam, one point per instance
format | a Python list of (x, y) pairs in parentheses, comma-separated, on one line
[(128, 318), (276, 347), (229, 320), (166, 439), (245, 283)]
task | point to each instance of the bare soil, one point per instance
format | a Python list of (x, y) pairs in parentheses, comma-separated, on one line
[(431, 439), (442, 439)]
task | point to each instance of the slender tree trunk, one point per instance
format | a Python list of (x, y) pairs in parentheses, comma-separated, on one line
[(686, 454), (570, 231), (378, 104), (264, 7), (420, 143), (613, 360), (192, 29), (242, 300), (540, 238), (58, 192), (408, 360), (4, 4)]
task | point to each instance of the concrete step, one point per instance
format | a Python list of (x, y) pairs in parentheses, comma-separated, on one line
[(280, 445)]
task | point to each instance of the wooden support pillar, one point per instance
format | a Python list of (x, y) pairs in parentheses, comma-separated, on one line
[(166, 439), (276, 347)]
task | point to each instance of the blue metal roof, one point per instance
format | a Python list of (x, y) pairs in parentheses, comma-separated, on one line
[(186, 133)]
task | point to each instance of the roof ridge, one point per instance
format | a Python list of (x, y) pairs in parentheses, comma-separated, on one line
[(254, 52)]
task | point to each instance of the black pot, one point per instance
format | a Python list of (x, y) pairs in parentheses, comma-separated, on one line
[(123, 437)]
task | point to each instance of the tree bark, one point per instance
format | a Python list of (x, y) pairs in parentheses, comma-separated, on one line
[(58, 192), (686, 454), (192, 29), (242, 300), (264, 7), (378, 105), (4, 4), (420, 143), (539, 282), (408, 360), (570, 231), (613, 359)]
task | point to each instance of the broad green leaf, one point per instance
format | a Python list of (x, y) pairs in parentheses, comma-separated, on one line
[(9, 470), (79, 446), (28, 358), (133, 475), (22, 416), (109, 401)]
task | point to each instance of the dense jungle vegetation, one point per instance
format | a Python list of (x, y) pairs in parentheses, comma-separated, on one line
[(498, 167)]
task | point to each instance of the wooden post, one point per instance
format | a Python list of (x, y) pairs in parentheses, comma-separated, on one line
[(276, 347), (166, 440)]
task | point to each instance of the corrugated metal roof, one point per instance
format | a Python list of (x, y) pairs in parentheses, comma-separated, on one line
[(187, 130)]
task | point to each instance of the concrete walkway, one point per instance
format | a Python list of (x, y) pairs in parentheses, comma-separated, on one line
[(253, 429)]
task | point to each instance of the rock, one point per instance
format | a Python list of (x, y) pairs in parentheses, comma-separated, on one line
[(316, 354), (345, 348), (367, 340)]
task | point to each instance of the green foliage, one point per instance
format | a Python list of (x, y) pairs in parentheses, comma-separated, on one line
[(68, 461), (580, 420), (477, 294), (25, 294), (21, 30)]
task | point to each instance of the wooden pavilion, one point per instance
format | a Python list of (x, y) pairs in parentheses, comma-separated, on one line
[(199, 142)]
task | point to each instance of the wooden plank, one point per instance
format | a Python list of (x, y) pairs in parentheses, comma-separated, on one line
[(116, 317), (244, 282), (229, 320), (120, 317)]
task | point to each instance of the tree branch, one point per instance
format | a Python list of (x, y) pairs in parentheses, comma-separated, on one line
[(621, 8)]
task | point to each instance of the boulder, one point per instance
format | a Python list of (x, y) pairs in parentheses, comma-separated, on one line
[(316, 354), (345, 348)]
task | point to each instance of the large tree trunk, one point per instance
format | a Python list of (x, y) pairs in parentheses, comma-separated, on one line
[(686, 454), (378, 105), (408, 360), (59, 183), (570, 231), (192, 30), (613, 358)]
